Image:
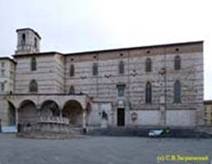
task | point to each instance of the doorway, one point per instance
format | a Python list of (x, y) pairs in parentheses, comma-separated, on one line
[(120, 117)]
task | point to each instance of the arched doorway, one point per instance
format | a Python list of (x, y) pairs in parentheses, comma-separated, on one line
[(50, 108), (74, 112), (11, 114), (27, 112)]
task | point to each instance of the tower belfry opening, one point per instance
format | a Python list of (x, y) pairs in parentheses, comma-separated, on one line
[(28, 41)]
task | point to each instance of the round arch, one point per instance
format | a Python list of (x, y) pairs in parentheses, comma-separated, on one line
[(27, 112), (74, 112), (50, 108), (25, 102)]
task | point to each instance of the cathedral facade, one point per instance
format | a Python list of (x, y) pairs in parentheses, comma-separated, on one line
[(160, 85)]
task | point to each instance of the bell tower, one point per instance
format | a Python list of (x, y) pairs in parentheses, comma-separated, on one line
[(28, 41)]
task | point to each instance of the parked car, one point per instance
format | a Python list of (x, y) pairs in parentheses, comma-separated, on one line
[(155, 132), (159, 132)]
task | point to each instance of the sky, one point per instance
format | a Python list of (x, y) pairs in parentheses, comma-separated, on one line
[(82, 25)]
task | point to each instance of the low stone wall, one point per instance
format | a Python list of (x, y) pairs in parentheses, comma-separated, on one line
[(53, 120), (49, 127), (45, 127), (206, 129)]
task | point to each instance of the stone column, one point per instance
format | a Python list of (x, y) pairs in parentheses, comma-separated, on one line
[(84, 119), (39, 111), (38, 108), (61, 113), (16, 118), (60, 107), (19, 125)]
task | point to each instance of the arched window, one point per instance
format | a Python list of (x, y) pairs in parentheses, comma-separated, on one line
[(33, 86), (177, 92), (33, 64), (71, 90), (35, 43), (148, 95), (95, 69), (177, 63), (121, 67), (23, 39), (148, 65), (72, 71)]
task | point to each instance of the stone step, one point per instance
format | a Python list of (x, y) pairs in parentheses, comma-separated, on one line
[(143, 132), (49, 135)]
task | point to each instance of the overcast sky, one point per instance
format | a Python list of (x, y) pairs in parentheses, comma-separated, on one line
[(81, 25)]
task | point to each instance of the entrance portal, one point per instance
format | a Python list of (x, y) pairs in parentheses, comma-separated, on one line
[(120, 117)]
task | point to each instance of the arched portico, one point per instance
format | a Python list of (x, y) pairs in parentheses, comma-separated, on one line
[(73, 110), (49, 108), (27, 112), (35, 108), (39, 99)]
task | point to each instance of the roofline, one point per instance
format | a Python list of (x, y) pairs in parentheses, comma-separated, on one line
[(40, 53), (139, 47), (109, 50), (7, 58), (27, 28), (207, 101)]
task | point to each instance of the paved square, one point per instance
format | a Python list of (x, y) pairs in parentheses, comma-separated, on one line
[(97, 150)]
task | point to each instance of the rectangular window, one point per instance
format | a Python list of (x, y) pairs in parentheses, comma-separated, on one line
[(2, 87), (121, 89), (95, 69), (121, 67), (72, 70), (33, 64), (2, 64), (2, 72)]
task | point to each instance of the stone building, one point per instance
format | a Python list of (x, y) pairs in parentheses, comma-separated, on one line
[(7, 78), (160, 85), (7, 74)]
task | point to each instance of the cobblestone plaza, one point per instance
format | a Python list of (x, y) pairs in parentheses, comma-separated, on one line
[(99, 150)]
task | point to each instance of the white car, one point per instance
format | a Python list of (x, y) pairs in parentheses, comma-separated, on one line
[(154, 133)]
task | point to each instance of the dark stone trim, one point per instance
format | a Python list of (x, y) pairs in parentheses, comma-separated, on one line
[(142, 47), (208, 102), (36, 54), (8, 58), (44, 94), (27, 28), (112, 50)]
